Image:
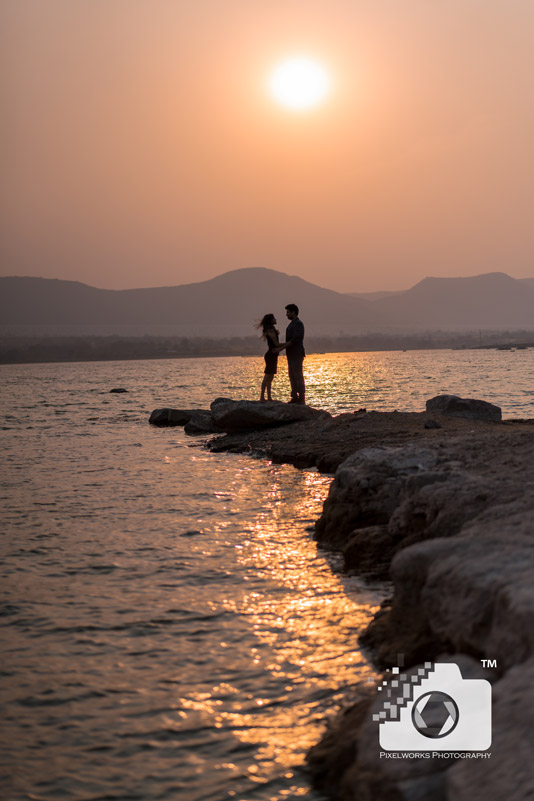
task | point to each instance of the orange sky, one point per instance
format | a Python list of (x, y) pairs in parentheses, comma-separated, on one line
[(140, 146)]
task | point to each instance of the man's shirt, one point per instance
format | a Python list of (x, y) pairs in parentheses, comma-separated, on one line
[(295, 335)]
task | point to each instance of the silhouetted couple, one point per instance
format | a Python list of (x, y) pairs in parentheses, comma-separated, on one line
[(294, 348)]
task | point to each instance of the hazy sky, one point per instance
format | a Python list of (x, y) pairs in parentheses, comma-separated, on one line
[(140, 145)]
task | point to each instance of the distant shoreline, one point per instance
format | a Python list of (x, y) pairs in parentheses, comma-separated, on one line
[(61, 349)]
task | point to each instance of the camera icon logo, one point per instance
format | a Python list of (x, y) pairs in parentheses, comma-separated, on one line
[(435, 714), (434, 709)]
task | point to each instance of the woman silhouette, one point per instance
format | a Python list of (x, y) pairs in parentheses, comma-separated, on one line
[(270, 335)]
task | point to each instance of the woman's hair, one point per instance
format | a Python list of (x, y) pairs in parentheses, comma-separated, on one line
[(266, 322)]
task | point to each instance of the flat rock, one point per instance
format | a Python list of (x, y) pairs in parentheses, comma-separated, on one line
[(172, 417), (326, 442), (468, 408), (244, 415)]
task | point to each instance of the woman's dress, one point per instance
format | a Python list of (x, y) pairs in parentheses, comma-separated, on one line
[(271, 358)]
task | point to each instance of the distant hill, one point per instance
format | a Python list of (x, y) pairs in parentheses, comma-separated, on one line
[(372, 296), (491, 300), (236, 298)]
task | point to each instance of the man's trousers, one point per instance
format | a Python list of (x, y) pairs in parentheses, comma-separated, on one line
[(296, 377)]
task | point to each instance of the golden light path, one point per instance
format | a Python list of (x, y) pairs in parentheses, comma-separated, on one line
[(300, 83), (306, 626)]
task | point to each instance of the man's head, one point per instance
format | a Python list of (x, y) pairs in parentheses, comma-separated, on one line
[(292, 311)]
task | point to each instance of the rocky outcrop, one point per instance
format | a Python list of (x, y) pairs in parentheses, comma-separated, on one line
[(243, 415), (472, 593), (452, 525), (325, 442), (462, 546), (468, 408), (230, 416)]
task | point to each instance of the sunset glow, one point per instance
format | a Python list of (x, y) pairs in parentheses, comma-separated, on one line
[(361, 147), (300, 83)]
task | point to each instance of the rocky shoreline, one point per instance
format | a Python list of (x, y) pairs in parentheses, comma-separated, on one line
[(441, 503)]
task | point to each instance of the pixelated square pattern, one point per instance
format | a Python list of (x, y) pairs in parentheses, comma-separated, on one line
[(403, 691)]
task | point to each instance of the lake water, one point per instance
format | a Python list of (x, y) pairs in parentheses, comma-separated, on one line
[(169, 628)]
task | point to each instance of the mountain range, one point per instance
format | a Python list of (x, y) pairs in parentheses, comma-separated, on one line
[(236, 299)]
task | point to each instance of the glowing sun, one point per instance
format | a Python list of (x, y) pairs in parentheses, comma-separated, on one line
[(299, 83)]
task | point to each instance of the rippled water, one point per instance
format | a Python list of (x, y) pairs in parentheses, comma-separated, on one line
[(169, 628)]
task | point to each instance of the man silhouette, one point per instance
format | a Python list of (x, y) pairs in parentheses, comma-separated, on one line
[(295, 353)]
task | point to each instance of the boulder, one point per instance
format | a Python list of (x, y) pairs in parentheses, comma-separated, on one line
[(172, 417), (471, 592), (369, 552), (244, 415), (118, 390), (461, 544), (438, 503), (479, 594), (201, 422), (367, 488), (468, 408)]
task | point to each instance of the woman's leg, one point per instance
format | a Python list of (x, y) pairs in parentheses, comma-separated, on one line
[(268, 380), (264, 386)]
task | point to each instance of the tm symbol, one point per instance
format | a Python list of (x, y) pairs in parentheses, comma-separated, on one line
[(489, 663)]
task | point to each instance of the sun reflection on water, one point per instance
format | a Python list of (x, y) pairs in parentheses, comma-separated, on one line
[(305, 618)]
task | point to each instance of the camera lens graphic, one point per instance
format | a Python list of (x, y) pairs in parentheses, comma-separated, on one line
[(435, 715)]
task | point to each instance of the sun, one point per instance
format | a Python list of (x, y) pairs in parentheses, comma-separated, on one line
[(299, 83)]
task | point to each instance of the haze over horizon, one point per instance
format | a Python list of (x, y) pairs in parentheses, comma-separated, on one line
[(141, 147), (395, 291)]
